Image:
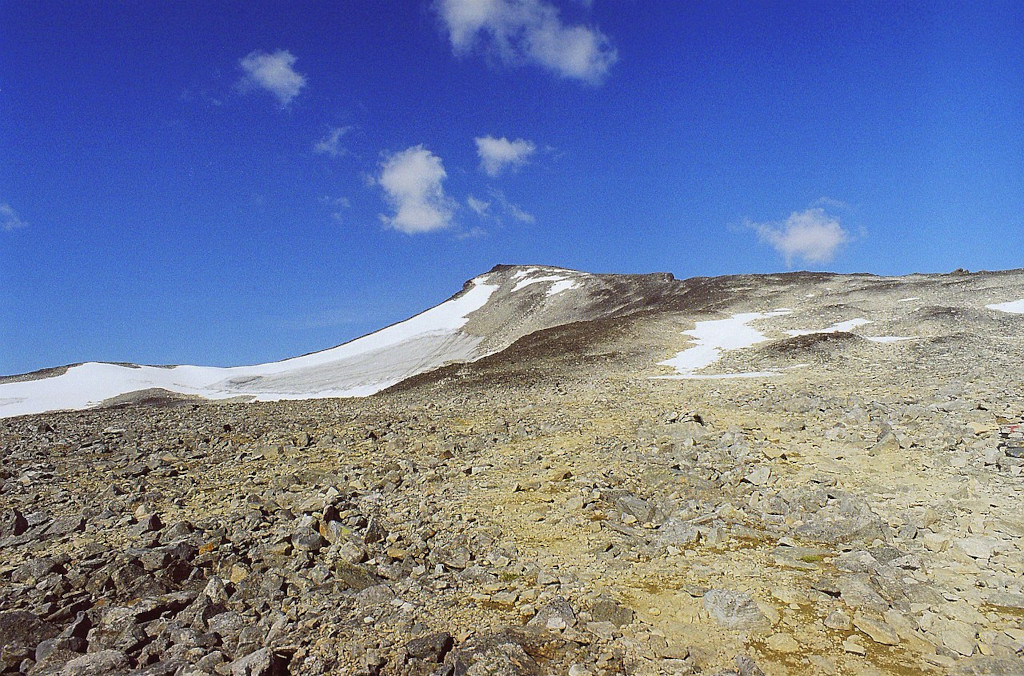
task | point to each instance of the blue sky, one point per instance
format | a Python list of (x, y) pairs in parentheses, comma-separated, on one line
[(227, 183)]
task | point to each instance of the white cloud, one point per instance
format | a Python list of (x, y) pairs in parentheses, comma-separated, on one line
[(9, 218), (498, 153), (812, 235), (273, 73), (412, 181), (331, 144), (528, 31)]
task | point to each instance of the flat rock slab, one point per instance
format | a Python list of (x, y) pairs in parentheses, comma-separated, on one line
[(735, 610)]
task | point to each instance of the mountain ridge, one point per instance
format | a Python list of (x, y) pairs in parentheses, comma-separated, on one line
[(489, 314)]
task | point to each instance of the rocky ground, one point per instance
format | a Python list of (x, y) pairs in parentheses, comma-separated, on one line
[(554, 509)]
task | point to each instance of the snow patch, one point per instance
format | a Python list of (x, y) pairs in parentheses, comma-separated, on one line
[(849, 325), (721, 376), (715, 337), (519, 274), (1014, 306), (887, 339), (721, 335), (562, 285), (536, 280), (559, 283)]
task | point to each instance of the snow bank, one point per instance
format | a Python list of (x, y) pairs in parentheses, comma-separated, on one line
[(1014, 306), (716, 336), (849, 325), (358, 368), (721, 335)]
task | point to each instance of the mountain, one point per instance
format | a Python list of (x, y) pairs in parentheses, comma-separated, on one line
[(491, 312), (495, 310), (564, 473)]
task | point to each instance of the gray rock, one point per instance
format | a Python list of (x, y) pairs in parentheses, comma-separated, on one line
[(639, 508), (606, 609), (842, 521), (432, 647), (376, 595), (979, 546), (21, 628), (735, 610), (746, 666), (556, 615), (149, 524), (72, 644), (263, 662), (71, 523), (857, 591), (983, 665), (307, 540), (354, 576), (33, 570), (375, 531), (12, 523), (858, 561), (490, 655), (101, 663), (677, 532)]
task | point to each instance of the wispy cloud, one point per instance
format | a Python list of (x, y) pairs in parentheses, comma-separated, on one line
[(273, 72), (521, 31), (496, 154), (478, 206), (331, 144), (511, 209), (9, 219), (812, 235), (337, 205), (502, 208), (412, 182)]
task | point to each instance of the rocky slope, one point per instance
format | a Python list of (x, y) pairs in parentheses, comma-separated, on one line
[(568, 505)]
